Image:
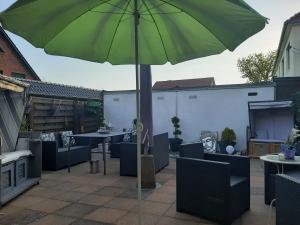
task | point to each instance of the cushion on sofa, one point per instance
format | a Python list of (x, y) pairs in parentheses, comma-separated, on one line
[(47, 137), (65, 138)]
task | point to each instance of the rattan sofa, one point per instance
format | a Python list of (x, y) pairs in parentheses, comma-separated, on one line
[(55, 155)]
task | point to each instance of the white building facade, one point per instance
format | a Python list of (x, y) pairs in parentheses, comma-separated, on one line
[(199, 109), (288, 57)]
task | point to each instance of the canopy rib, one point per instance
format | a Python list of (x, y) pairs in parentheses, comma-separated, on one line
[(156, 26), (116, 30), (224, 45)]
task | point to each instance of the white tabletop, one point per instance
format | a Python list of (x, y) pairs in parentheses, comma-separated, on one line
[(275, 159)]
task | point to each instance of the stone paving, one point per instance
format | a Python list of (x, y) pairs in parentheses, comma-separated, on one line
[(80, 198)]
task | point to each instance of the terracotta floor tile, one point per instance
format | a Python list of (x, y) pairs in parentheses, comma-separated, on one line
[(171, 182), (53, 220), (76, 210), (26, 201), (49, 205), (177, 215), (21, 217), (162, 197), (95, 200), (122, 203), (106, 215), (70, 196), (88, 188), (132, 219), (89, 222), (43, 192), (110, 191), (173, 221), (155, 208)]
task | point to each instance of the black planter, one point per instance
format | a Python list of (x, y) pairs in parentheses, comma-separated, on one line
[(175, 144), (223, 145)]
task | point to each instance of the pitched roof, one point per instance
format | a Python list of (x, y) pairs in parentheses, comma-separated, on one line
[(187, 83), (46, 89), (21, 57), (285, 30)]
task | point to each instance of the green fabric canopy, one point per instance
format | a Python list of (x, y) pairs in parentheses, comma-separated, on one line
[(103, 30)]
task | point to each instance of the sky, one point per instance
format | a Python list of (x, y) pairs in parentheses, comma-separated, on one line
[(222, 67)]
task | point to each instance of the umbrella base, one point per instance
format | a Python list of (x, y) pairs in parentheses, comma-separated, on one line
[(148, 172)]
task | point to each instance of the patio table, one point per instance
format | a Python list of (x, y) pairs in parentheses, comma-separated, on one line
[(98, 136), (275, 159)]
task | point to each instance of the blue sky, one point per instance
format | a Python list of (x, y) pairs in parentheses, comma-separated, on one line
[(105, 76)]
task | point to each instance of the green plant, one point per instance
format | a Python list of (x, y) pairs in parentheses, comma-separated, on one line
[(228, 136), (175, 121), (94, 109)]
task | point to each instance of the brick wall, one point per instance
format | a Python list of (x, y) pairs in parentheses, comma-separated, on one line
[(10, 62)]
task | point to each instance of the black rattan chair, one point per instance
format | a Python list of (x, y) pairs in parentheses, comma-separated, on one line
[(288, 198), (216, 187)]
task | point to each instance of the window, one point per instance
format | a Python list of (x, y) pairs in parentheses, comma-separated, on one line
[(18, 75), (1, 72), (252, 94), (116, 99), (1, 50), (160, 98), (288, 55), (282, 67)]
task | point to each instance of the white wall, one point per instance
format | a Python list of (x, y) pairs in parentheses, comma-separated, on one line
[(198, 110), (292, 39)]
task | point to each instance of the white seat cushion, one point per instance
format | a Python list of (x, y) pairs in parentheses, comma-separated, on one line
[(13, 156)]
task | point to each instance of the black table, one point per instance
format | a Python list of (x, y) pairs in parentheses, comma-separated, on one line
[(98, 136)]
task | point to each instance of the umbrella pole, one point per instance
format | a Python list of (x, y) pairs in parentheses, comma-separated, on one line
[(138, 110)]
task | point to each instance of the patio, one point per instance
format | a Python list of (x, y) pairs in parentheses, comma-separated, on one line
[(80, 198)]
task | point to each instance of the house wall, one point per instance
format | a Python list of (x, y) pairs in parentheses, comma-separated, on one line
[(202, 109), (10, 62), (292, 39)]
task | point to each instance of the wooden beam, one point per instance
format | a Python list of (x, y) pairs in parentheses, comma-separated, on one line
[(10, 86)]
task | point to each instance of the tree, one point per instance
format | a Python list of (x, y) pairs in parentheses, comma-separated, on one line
[(257, 67)]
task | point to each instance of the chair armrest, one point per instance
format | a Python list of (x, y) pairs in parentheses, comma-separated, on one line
[(239, 165)]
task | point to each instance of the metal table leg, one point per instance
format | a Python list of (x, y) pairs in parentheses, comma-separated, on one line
[(104, 157), (69, 155)]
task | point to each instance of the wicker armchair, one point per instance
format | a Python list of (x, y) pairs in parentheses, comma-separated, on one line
[(216, 187), (288, 199)]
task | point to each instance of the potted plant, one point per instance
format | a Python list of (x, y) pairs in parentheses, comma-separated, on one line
[(228, 137), (288, 149), (176, 141)]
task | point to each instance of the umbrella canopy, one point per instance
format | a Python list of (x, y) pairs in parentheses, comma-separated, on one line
[(103, 30)]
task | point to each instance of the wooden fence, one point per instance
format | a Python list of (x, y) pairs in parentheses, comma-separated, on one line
[(50, 115)]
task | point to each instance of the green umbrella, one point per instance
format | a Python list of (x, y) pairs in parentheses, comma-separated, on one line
[(133, 31)]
